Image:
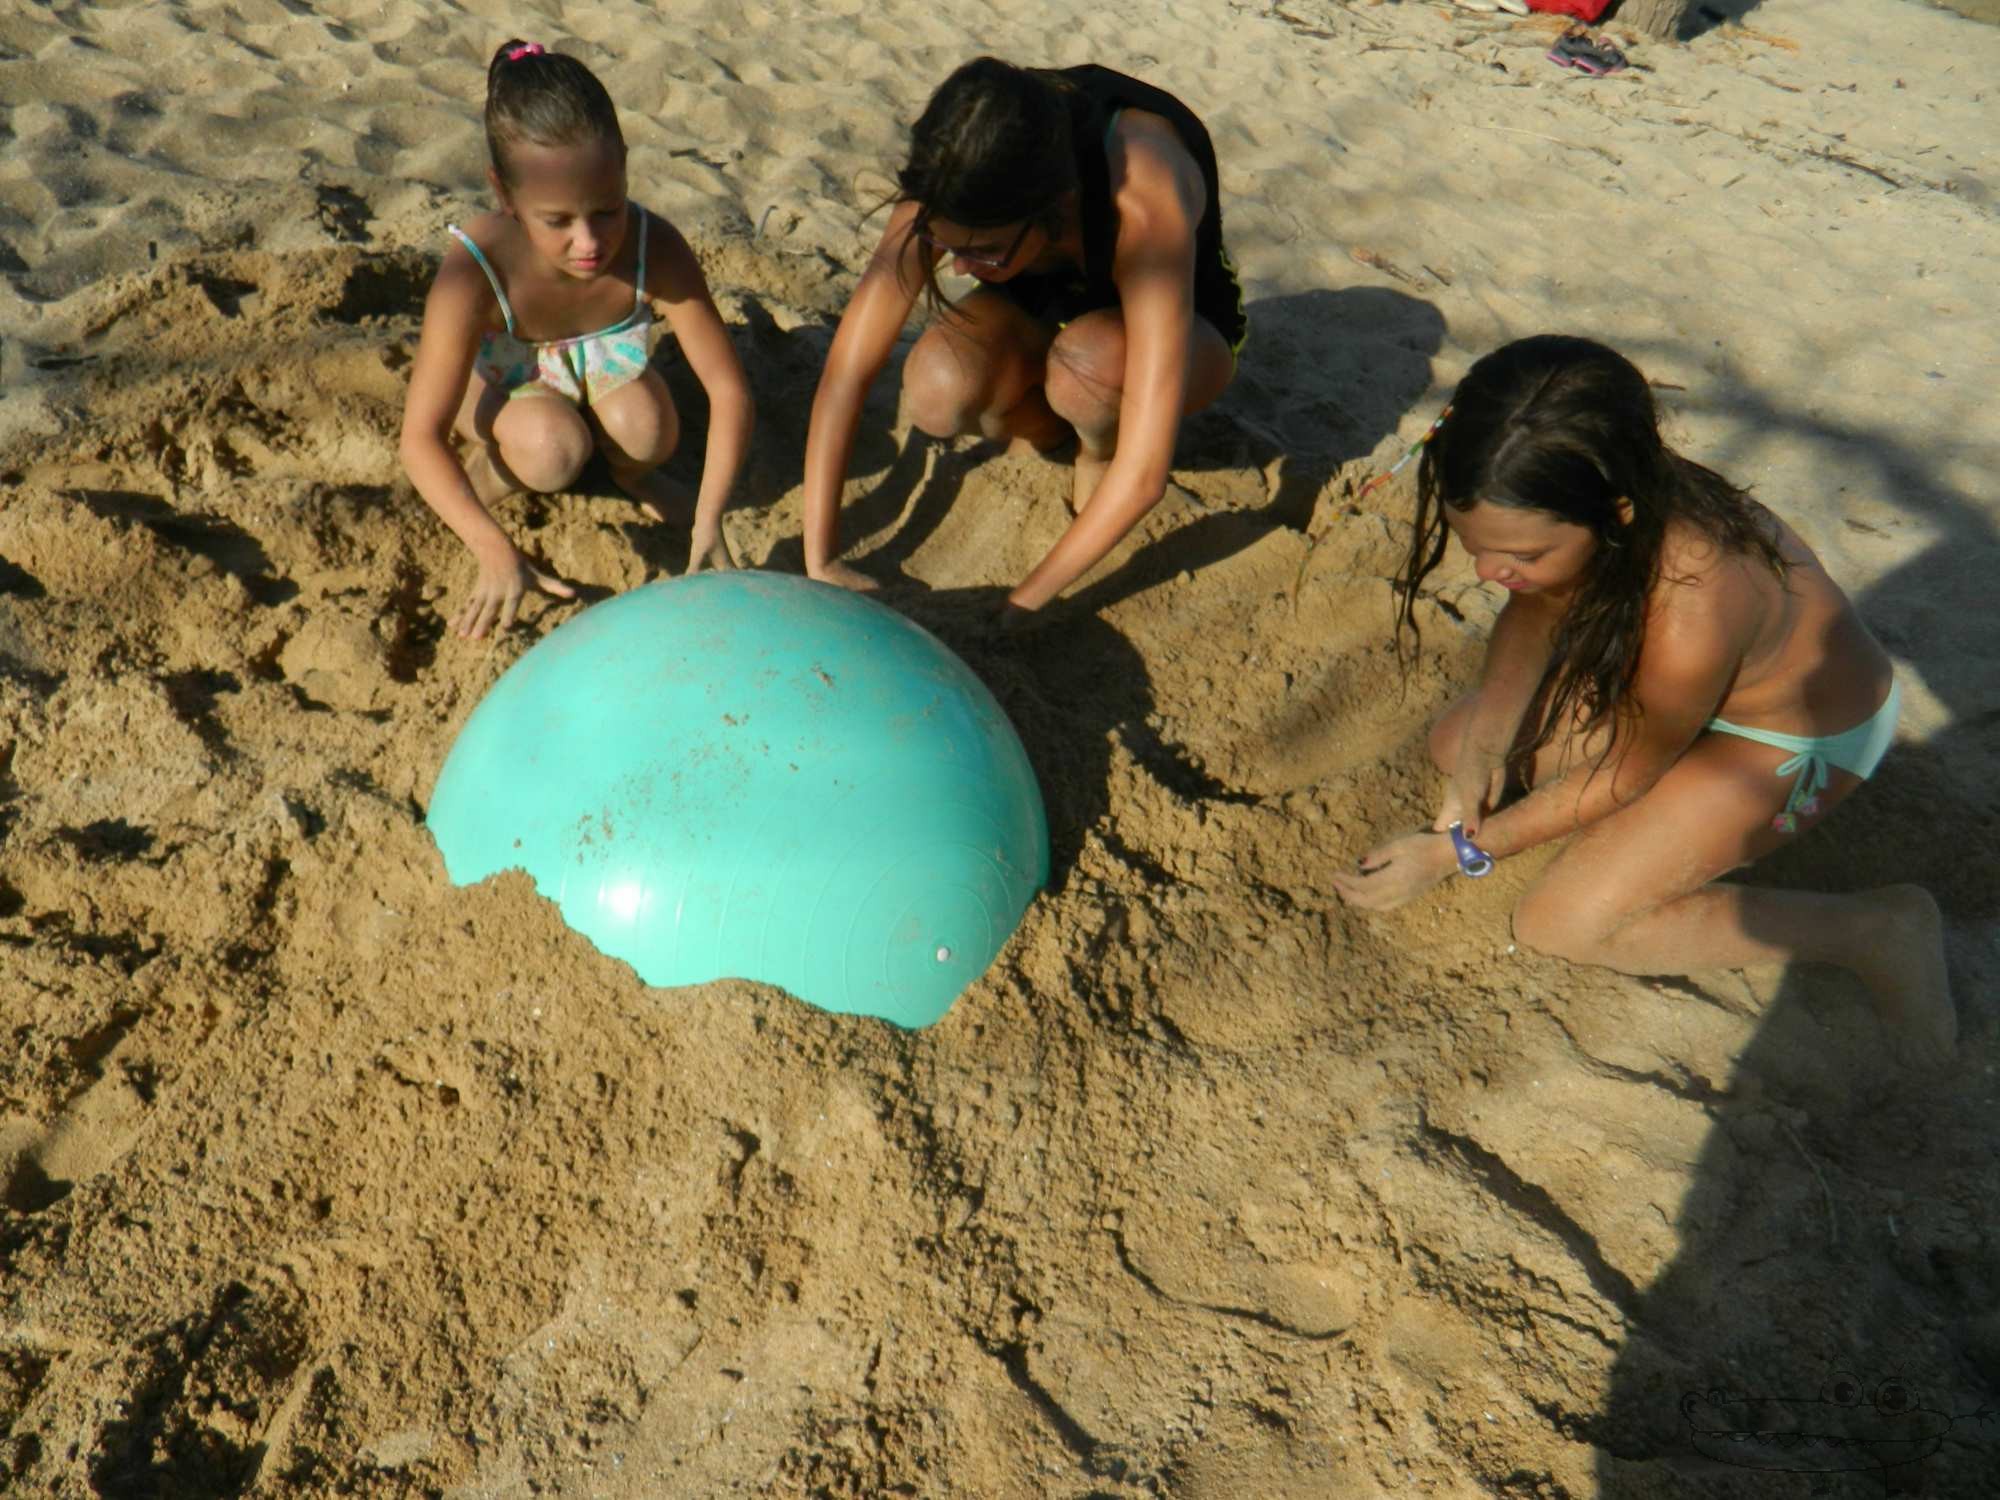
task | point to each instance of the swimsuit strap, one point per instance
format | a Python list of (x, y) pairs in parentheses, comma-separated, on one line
[(639, 276), (1808, 760), (1813, 772), (1814, 757), (1799, 744), (491, 275)]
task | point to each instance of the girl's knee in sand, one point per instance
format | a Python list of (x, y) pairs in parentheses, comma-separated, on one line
[(945, 386), (640, 425), (1543, 926), (546, 446), (1086, 375)]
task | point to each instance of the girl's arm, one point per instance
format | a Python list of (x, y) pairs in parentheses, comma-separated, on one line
[(455, 314), (1517, 654), (861, 347), (1691, 653), (1689, 658), (1160, 200), (674, 276)]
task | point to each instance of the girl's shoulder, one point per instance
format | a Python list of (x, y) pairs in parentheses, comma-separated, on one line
[(464, 287), (1142, 138), (1690, 553), (672, 268), (1703, 554), (493, 232), (480, 249), (1154, 177), (658, 229), (1703, 578)]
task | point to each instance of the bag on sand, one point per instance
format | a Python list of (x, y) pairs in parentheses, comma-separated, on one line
[(1583, 10)]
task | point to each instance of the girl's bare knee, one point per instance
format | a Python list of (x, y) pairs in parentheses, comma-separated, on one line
[(941, 394), (1543, 927), (548, 453), (642, 433), (1083, 389)]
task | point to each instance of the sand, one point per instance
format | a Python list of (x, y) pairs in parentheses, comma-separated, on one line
[(323, 1177)]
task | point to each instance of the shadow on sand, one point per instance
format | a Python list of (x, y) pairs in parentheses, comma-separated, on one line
[(1837, 1256), (1325, 377)]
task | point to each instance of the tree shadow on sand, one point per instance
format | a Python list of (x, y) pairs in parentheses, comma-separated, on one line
[(1837, 1259), (1703, 16)]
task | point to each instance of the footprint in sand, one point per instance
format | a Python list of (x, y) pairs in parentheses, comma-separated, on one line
[(90, 1136), (1308, 1300)]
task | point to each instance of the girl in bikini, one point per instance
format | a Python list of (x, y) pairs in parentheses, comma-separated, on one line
[(1674, 679), (534, 347), (1085, 203)]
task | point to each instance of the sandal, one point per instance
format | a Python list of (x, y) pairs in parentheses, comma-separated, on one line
[(1595, 56)]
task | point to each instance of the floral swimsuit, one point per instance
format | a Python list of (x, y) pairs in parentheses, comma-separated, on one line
[(584, 369)]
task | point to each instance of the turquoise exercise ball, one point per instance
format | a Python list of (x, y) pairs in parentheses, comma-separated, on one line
[(755, 776)]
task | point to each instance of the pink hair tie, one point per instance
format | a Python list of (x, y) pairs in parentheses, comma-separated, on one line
[(526, 49)]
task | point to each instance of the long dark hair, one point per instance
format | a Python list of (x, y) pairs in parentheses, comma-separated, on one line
[(993, 148), (545, 99), (1568, 427)]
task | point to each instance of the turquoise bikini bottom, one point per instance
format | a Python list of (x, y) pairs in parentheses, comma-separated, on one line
[(1859, 750)]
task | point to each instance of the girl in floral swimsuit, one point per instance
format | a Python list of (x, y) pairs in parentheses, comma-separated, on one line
[(535, 338)]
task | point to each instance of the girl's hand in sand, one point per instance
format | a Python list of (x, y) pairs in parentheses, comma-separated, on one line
[(1014, 620), (709, 551), (496, 598), (1398, 871), (846, 577)]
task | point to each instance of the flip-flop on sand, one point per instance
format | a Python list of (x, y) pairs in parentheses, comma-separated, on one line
[(1587, 54)]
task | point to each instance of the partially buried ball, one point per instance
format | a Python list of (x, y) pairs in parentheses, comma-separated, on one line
[(754, 776)]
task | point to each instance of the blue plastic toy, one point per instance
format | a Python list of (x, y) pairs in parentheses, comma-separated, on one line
[(1472, 859), (752, 775)]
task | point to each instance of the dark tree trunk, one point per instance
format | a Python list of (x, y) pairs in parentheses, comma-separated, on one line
[(1661, 18)]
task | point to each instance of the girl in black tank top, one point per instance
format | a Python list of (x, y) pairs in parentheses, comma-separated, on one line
[(1097, 96), (1086, 204)]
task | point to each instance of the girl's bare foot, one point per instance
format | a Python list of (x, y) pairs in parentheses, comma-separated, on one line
[(1903, 967), (654, 493), (485, 476), (1040, 446), (839, 573)]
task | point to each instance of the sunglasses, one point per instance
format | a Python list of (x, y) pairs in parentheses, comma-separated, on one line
[(972, 257)]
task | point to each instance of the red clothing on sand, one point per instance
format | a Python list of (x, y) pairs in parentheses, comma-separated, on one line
[(1583, 10)]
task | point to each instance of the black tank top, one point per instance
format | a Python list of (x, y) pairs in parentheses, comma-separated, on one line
[(1096, 95)]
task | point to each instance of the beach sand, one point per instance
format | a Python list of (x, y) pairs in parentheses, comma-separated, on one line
[(324, 1177)]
